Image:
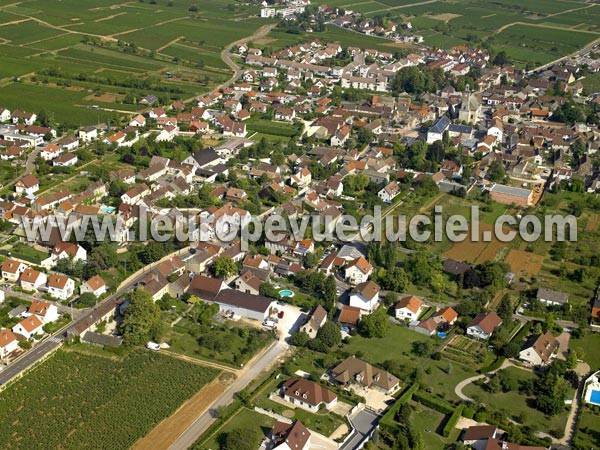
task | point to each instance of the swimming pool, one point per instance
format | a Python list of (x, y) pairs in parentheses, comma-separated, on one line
[(286, 293), (107, 209), (595, 397)]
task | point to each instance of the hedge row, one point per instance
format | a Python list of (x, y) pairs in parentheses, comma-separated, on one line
[(452, 421), (388, 417), (493, 366), (520, 336), (433, 402)]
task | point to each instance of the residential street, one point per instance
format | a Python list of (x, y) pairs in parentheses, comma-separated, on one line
[(254, 368)]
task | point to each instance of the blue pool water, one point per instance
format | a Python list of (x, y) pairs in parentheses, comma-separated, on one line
[(107, 209), (286, 293), (595, 397), (442, 335)]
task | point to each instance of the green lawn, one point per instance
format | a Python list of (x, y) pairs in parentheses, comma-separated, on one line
[(28, 253), (588, 431), (589, 349), (515, 404), (244, 419), (430, 424), (439, 376), (228, 344)]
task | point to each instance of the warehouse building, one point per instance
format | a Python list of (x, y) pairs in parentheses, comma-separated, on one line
[(509, 195), (236, 303)]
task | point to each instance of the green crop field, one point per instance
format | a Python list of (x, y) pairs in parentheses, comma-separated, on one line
[(532, 33), (74, 54), (87, 401)]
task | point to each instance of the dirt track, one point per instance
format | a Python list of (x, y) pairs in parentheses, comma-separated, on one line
[(167, 432)]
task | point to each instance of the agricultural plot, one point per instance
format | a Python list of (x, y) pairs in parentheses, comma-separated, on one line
[(509, 25), (476, 251), (173, 47), (524, 264), (466, 351), (78, 401)]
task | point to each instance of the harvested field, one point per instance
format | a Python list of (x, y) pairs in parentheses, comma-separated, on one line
[(524, 264), (167, 432), (445, 17), (476, 251)]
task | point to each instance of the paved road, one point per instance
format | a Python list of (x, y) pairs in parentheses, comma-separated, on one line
[(460, 386), (264, 362), (226, 54), (364, 423)]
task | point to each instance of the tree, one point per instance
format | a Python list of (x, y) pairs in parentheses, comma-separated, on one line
[(329, 335), (329, 293), (300, 339), (141, 319), (224, 267), (496, 172), (422, 348), (395, 279), (376, 324), (240, 439)]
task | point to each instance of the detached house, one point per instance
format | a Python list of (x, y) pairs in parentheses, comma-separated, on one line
[(539, 350), (31, 280), (8, 342), (12, 270), (29, 327), (483, 325), (290, 436), (315, 321), (307, 394), (27, 185), (409, 308), (358, 270), (389, 193), (45, 311), (365, 296), (94, 285), (354, 371), (60, 286)]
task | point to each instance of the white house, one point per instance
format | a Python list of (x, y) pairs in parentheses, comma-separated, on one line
[(45, 311), (539, 350), (88, 134), (365, 296), (28, 185), (65, 160), (307, 394), (4, 115), (389, 193), (94, 285), (65, 250), (437, 130), (290, 436), (358, 270), (60, 286), (29, 326), (12, 270), (409, 307), (483, 325), (31, 280), (8, 342)]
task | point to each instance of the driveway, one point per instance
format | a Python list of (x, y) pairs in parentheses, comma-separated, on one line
[(364, 423), (563, 341)]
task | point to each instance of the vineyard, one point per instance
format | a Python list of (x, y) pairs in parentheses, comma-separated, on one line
[(80, 401)]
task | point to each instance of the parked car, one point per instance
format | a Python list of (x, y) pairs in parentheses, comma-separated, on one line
[(153, 346)]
